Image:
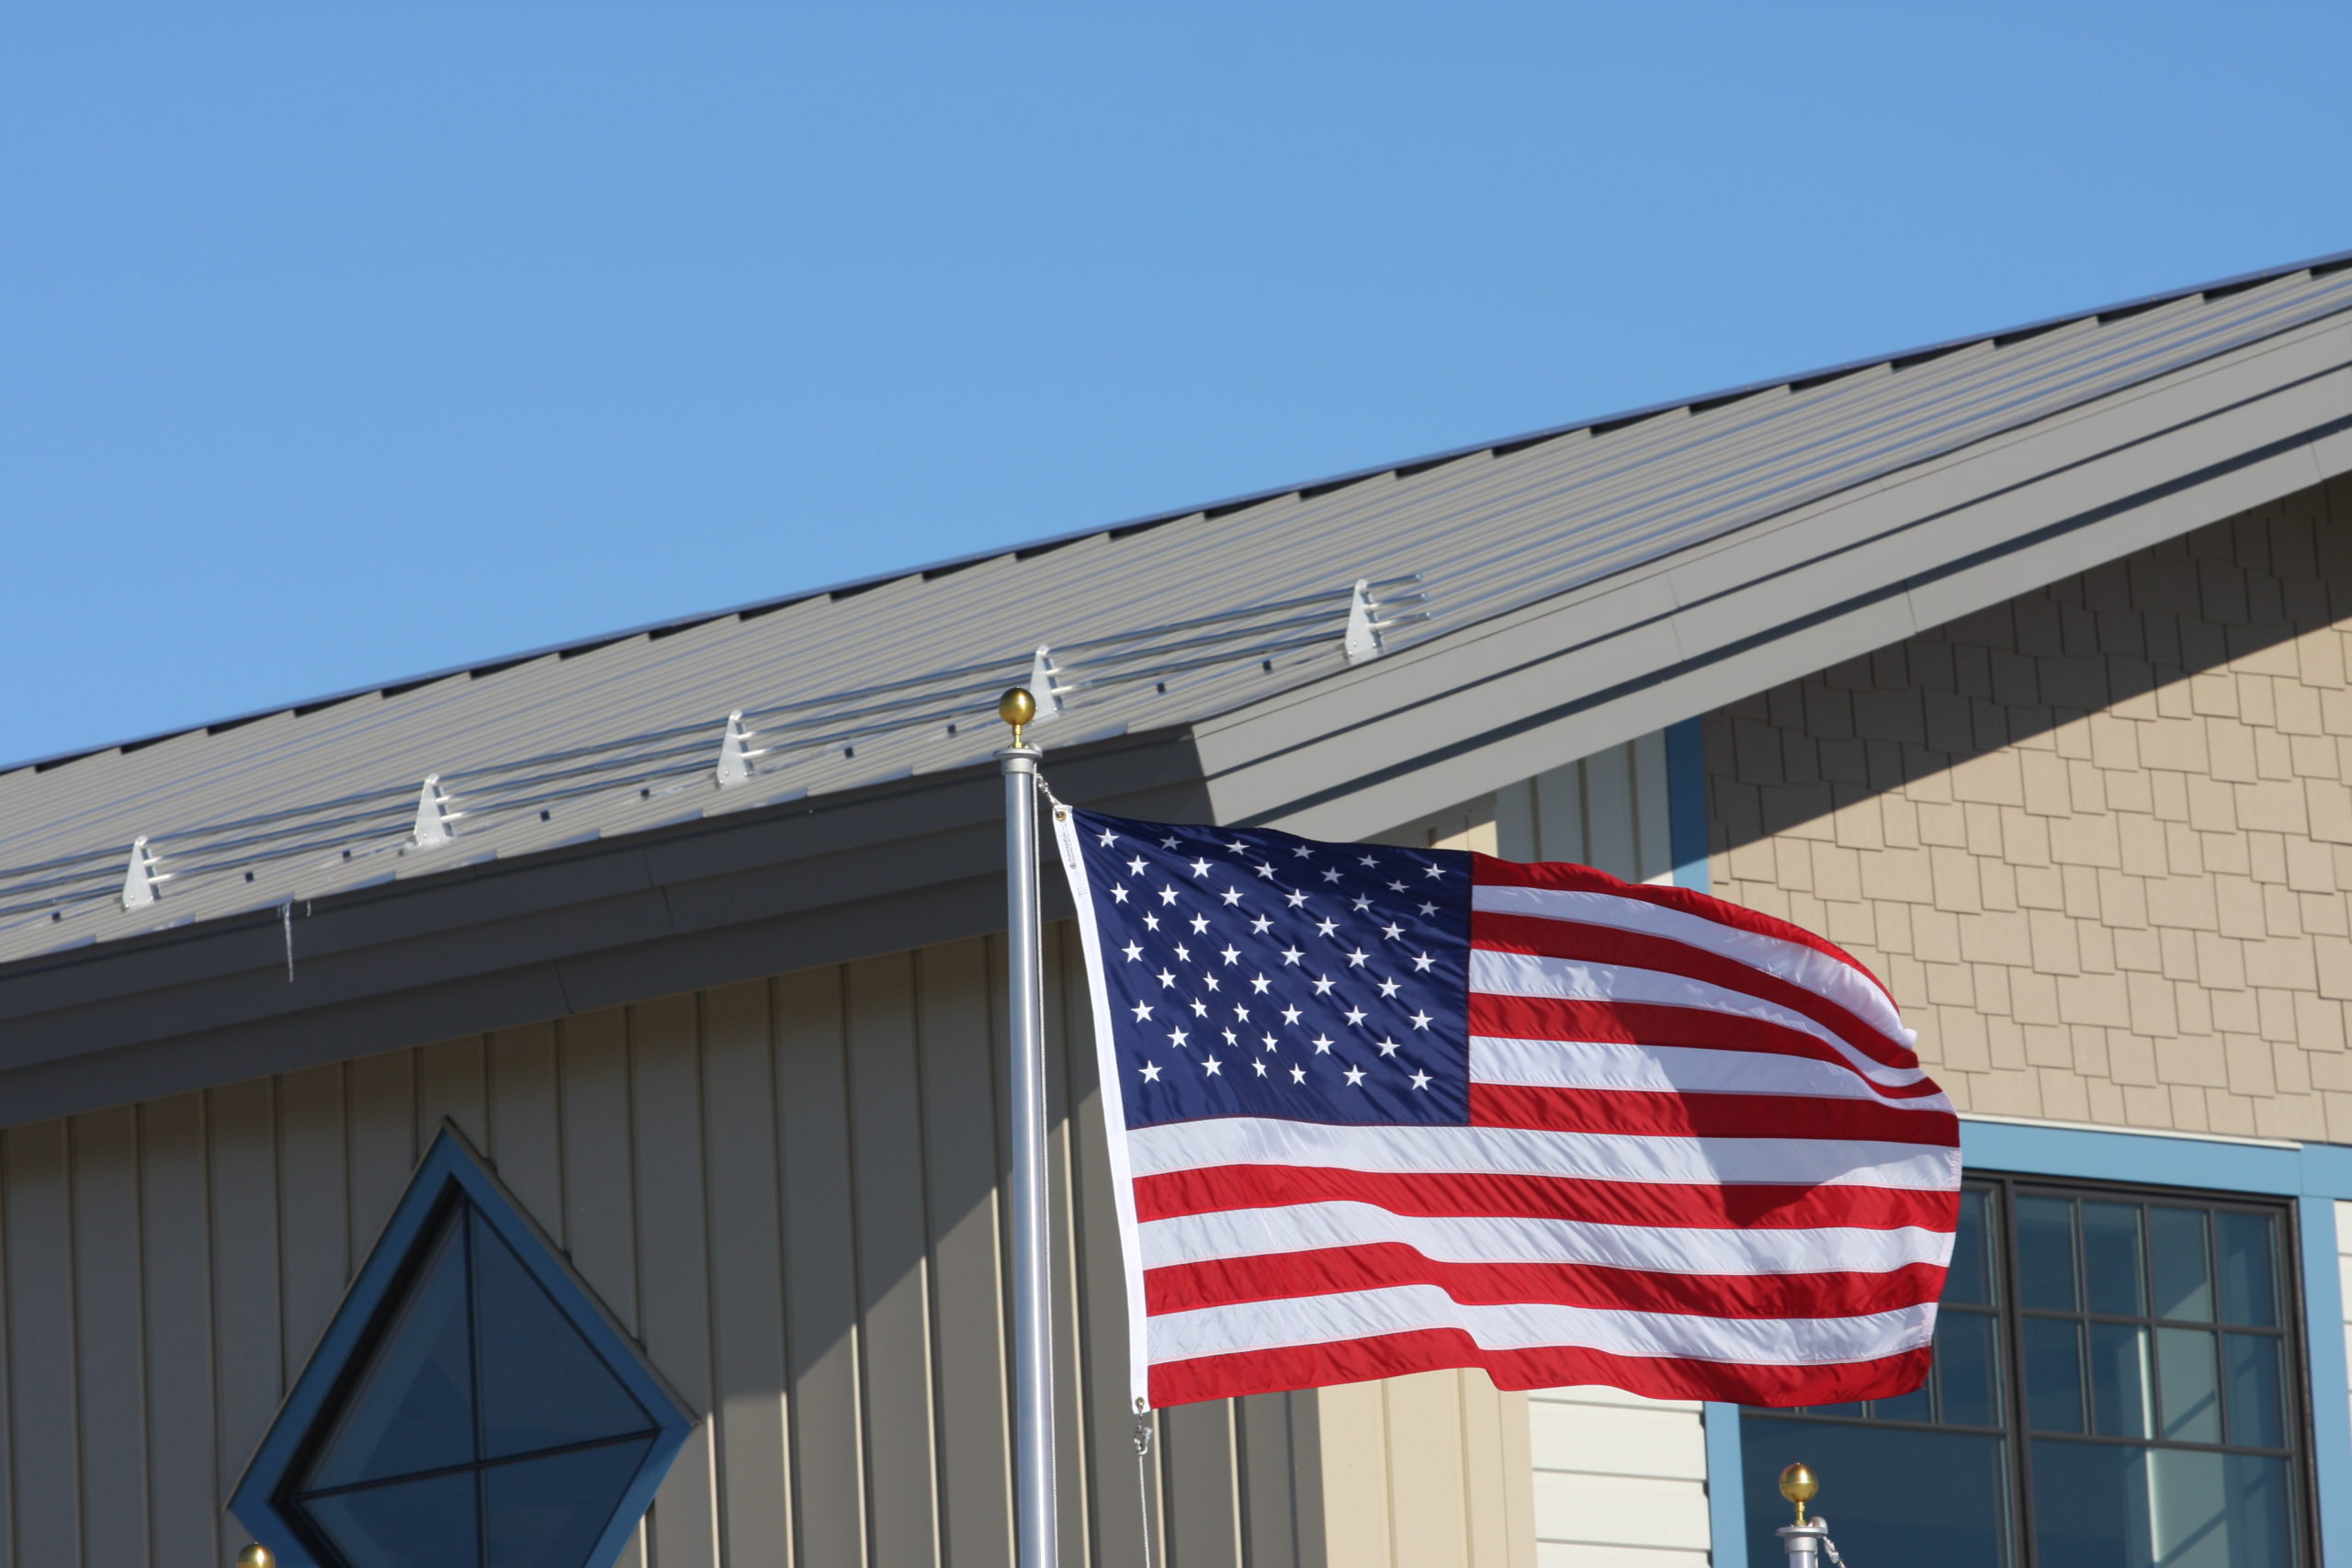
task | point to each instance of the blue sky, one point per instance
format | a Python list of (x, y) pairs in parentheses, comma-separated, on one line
[(341, 342)]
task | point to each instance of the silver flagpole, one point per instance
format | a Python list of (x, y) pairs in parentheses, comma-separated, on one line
[(1033, 1324)]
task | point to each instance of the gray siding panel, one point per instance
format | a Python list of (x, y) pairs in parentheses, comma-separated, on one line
[(819, 1269), (787, 1188), (673, 1278), (957, 1033), (887, 1166), (248, 1376), (107, 1310), (183, 1487), (746, 1276), (44, 1426)]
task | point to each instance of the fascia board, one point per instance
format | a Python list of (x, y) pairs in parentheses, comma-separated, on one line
[(2133, 422), (513, 942), (1413, 732)]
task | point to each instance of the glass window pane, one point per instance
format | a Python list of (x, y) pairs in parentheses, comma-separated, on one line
[(408, 1524), (2046, 1253), (2122, 1402), (413, 1409), (2176, 1253), (547, 1513), (2112, 1268), (1917, 1405), (2248, 1267), (2115, 1506), (542, 1387), (2186, 1386), (1893, 1496), (2257, 1417), (1970, 1280), (1968, 1368), (2053, 1374)]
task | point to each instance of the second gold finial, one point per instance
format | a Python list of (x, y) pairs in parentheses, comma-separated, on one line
[(1798, 1484), (1016, 708)]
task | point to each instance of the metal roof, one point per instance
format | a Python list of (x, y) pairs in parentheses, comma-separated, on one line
[(1157, 622)]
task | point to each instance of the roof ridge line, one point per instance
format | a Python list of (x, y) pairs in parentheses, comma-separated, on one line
[(1154, 519)]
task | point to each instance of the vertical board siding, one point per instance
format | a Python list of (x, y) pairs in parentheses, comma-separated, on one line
[(955, 1035), (174, 1240), (827, 1480), (790, 1192), (248, 1375), (674, 1277), (887, 1166), (1428, 1470), (111, 1400), (43, 1424), (746, 1277)]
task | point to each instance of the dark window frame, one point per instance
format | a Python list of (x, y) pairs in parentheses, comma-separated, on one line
[(465, 1225), (451, 1177), (2008, 1310)]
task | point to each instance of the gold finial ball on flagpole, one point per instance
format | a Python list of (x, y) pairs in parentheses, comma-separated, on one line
[(256, 1556), (1798, 1484), (1016, 708)]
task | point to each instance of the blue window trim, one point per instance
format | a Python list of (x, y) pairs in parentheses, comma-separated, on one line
[(2315, 1175), (451, 1164)]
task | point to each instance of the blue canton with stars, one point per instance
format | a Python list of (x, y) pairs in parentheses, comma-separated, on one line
[(1251, 972)]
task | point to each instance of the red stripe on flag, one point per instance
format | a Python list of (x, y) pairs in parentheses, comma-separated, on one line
[(1548, 938), (1428, 1350), (1651, 1024), (1224, 1281), (1666, 1113), (1585, 879), (1773, 1206)]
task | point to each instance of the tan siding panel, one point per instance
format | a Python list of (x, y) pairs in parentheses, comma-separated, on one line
[(2137, 914)]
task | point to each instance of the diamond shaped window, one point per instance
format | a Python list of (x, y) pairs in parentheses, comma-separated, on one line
[(471, 1406)]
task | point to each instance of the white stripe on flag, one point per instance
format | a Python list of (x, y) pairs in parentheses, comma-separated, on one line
[(1675, 1069), (1577, 979), (1356, 1315), (1596, 1157), (1299, 1227), (1809, 967)]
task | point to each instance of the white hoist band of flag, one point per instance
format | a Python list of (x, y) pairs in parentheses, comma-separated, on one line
[(1375, 1110)]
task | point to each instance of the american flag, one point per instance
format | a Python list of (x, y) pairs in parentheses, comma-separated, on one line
[(1377, 1110)]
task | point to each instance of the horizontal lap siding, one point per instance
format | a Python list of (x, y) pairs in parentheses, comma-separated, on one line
[(789, 1191)]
